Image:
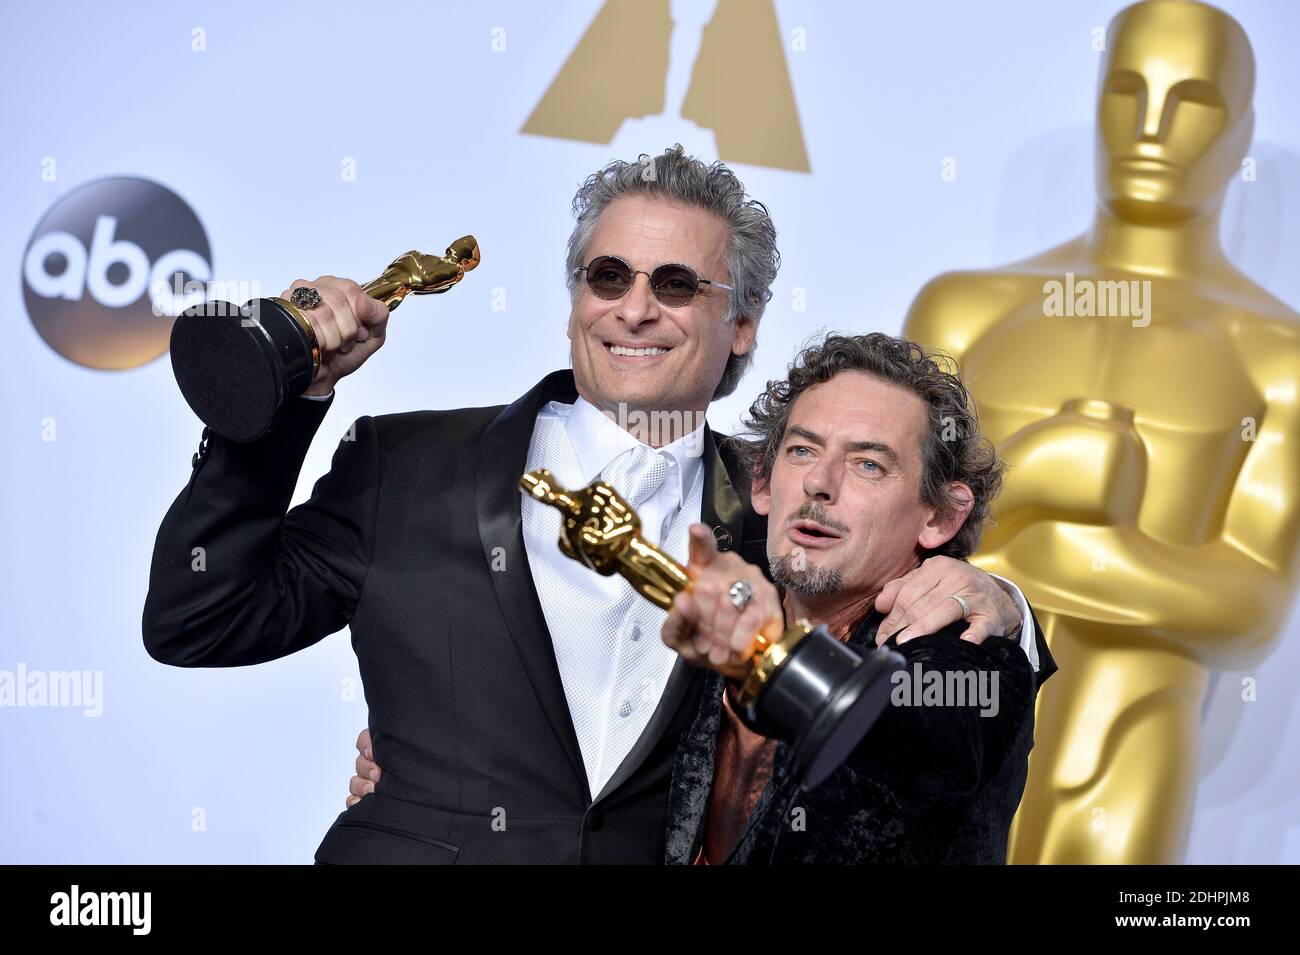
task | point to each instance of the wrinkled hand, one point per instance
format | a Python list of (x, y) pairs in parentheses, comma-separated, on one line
[(350, 326), (918, 604), (703, 625), (368, 772)]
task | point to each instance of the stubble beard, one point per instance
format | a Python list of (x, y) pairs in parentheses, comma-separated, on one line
[(793, 573)]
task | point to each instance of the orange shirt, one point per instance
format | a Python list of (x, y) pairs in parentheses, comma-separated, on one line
[(742, 769)]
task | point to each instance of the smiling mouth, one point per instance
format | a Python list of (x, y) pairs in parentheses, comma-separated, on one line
[(639, 351)]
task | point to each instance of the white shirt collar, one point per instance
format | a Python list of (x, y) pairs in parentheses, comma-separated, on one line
[(598, 440)]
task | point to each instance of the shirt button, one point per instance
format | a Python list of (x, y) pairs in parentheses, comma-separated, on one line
[(625, 709), (634, 633)]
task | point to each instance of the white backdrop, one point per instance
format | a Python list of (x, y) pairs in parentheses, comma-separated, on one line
[(253, 132)]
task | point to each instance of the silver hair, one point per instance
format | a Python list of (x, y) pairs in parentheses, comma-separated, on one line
[(752, 257)]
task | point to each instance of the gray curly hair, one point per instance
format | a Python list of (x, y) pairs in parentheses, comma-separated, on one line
[(752, 258)]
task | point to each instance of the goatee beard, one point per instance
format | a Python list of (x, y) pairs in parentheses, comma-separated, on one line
[(794, 573)]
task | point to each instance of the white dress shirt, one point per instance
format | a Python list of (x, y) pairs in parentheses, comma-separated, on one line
[(612, 679)]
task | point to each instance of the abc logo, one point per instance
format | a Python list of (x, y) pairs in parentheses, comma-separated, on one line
[(102, 270)]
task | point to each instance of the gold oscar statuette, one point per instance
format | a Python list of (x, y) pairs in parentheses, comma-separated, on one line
[(238, 366), (807, 688)]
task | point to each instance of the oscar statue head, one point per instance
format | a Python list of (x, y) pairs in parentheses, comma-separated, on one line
[(1174, 116)]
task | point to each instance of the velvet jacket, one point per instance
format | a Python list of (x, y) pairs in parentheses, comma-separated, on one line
[(928, 784)]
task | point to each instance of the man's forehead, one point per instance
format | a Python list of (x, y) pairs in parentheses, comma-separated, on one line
[(640, 226), (855, 406)]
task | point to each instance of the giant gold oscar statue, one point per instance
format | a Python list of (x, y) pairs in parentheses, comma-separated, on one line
[(1153, 507)]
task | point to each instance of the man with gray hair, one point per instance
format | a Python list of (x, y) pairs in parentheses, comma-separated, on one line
[(522, 707)]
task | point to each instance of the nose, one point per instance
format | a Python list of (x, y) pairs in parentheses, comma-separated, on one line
[(1153, 106), (639, 305), (821, 482)]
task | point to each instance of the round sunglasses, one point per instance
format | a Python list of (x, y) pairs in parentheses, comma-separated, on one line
[(609, 278)]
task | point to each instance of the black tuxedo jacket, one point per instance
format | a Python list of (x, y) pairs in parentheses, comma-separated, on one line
[(414, 539), (928, 784)]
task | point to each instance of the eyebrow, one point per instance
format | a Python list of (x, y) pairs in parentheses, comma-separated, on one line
[(624, 258), (876, 446)]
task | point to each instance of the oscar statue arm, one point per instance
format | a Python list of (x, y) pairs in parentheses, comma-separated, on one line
[(236, 580), (1211, 600), (1223, 600), (1262, 522)]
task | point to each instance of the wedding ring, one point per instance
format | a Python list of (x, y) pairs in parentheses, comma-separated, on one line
[(741, 593), (965, 606)]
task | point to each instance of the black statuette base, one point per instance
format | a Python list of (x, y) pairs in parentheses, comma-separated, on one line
[(237, 367), (823, 700)]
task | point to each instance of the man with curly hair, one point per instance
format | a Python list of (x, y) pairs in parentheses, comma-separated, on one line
[(866, 460)]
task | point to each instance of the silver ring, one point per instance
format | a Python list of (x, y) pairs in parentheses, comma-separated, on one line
[(965, 607), (741, 593), (304, 296)]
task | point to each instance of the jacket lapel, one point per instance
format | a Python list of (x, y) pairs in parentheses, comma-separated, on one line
[(722, 509), (502, 456)]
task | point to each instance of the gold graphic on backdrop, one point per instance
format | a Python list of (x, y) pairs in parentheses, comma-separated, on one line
[(616, 72), (1144, 392), (741, 89), (737, 85)]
